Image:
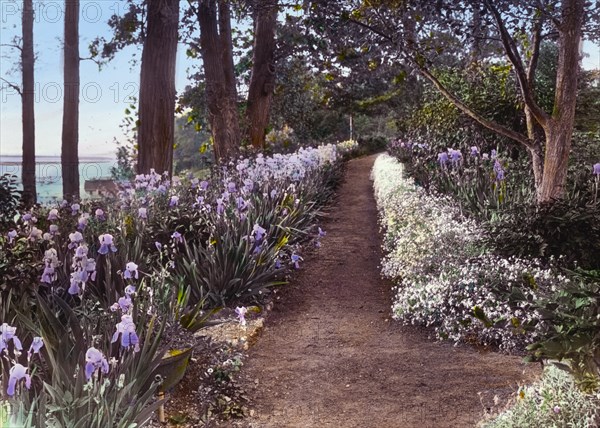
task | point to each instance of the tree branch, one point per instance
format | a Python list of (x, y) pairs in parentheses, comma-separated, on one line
[(371, 28), (12, 85), (515, 59), (11, 45), (535, 53), (496, 127)]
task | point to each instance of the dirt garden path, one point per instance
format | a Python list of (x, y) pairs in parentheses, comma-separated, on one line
[(330, 356)]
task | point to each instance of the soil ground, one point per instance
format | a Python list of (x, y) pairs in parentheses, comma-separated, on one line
[(330, 355)]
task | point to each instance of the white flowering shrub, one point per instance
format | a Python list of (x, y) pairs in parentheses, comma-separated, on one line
[(554, 401), (444, 277), (347, 147)]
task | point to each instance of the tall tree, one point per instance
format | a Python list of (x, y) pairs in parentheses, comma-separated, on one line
[(70, 126), (28, 115), (262, 81), (157, 87), (216, 47)]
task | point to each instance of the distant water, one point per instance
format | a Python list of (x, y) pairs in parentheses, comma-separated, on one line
[(48, 173)]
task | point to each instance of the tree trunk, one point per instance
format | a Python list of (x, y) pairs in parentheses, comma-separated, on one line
[(156, 130), (559, 129), (221, 92), (28, 117), (262, 82), (70, 126)]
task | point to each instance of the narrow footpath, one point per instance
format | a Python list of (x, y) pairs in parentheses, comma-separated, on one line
[(331, 356)]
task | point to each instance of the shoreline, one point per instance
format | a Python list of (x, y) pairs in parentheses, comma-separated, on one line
[(51, 161)]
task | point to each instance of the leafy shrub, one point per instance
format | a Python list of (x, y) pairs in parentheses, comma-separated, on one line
[(445, 276), (554, 401), (371, 144), (10, 199), (570, 328), (568, 228)]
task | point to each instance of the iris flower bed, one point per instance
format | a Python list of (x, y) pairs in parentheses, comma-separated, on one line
[(90, 291)]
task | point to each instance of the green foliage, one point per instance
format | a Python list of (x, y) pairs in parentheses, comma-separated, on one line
[(569, 325), (568, 228), (488, 89), (193, 150), (554, 401), (10, 199)]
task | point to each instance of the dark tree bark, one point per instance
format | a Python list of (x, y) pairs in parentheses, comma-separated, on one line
[(217, 56), (27, 98), (262, 82), (157, 88), (70, 126), (559, 127)]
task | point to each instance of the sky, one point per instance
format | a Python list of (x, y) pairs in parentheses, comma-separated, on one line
[(104, 94)]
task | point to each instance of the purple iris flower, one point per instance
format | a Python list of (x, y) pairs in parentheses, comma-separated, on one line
[(8, 333), (231, 187), (296, 260), (499, 171), (248, 185), (75, 209), (493, 154), (74, 287), (176, 237), (241, 203), (49, 275), (259, 232), (194, 182), (143, 213), (277, 263), (76, 238), (443, 159), (129, 290), (94, 360), (322, 233), (273, 194), (100, 214), (12, 234), (106, 244), (90, 269), (126, 328), (35, 234), (455, 156), (83, 221), (53, 229), (36, 345), (204, 184), (17, 373), (131, 271), (200, 201), (124, 303), (53, 214), (220, 207), (81, 251), (474, 151), (158, 245), (596, 170), (174, 201), (241, 313)]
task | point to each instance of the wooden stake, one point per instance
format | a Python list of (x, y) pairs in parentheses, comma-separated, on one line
[(161, 409)]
